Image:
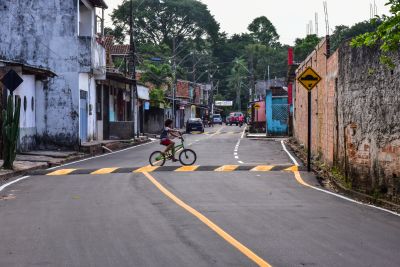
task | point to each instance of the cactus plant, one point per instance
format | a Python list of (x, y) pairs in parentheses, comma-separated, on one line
[(10, 131)]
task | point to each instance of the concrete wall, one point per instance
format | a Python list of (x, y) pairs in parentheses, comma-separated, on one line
[(369, 120), (88, 83), (121, 130), (45, 33), (154, 120), (27, 124), (355, 117)]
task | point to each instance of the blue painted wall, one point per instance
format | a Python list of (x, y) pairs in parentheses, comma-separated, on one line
[(276, 127)]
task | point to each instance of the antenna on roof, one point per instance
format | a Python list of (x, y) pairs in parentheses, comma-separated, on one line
[(326, 17), (316, 23)]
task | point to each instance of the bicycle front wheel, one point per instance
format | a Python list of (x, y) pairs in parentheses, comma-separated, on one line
[(157, 158), (187, 157)]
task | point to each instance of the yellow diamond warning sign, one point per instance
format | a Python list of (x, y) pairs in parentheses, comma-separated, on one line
[(309, 78)]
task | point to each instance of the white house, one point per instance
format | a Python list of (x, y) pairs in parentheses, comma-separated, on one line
[(64, 36)]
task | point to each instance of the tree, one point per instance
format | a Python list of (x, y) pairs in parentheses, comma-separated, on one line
[(117, 32), (343, 33), (160, 22), (237, 79), (387, 33), (263, 31), (303, 47), (156, 74)]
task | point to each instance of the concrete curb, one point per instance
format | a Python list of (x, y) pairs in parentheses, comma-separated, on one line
[(15, 174), (338, 187)]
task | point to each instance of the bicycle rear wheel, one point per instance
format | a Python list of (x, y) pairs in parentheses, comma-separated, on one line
[(157, 158), (187, 157)]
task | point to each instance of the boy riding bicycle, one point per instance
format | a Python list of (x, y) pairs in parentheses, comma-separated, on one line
[(167, 134)]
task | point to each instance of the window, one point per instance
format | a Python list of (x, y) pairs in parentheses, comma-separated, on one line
[(86, 18)]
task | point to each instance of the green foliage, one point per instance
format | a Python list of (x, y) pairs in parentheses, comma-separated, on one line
[(343, 33), (117, 32), (236, 81), (303, 47), (121, 64), (387, 34), (157, 74), (10, 131), (158, 22), (263, 31), (157, 95)]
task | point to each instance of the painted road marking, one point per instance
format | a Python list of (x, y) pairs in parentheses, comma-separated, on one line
[(262, 168), (227, 237), (104, 171), (187, 169), (300, 180), (62, 172), (146, 169), (227, 168), (195, 168)]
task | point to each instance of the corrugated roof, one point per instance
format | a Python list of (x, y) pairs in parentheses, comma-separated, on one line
[(120, 49), (108, 42)]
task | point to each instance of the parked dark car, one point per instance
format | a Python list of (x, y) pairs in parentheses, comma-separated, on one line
[(194, 124)]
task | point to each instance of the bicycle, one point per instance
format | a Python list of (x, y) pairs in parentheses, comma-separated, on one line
[(187, 156)]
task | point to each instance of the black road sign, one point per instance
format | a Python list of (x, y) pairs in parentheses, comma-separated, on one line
[(11, 80)]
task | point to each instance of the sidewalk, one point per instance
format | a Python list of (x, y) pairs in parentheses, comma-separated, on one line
[(35, 160)]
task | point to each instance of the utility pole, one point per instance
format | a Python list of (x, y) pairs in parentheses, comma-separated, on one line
[(173, 79), (132, 71), (211, 95), (252, 81)]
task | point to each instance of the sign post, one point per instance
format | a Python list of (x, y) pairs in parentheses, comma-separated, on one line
[(309, 79)]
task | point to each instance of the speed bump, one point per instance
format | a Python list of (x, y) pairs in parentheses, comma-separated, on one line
[(197, 168)]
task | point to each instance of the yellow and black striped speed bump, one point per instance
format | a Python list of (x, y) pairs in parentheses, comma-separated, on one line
[(196, 168), (211, 133)]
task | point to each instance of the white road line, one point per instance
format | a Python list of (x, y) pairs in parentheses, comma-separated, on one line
[(244, 130), (100, 156), (236, 157), (13, 182), (290, 155), (338, 195), (241, 162), (78, 161)]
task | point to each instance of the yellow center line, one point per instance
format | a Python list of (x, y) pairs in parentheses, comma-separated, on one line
[(299, 179), (292, 169), (227, 168), (230, 239), (148, 168), (61, 172), (104, 171)]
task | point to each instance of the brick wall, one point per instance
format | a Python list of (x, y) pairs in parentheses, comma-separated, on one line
[(182, 89), (355, 117), (323, 104)]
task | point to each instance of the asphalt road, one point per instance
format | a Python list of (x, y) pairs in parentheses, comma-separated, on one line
[(199, 218)]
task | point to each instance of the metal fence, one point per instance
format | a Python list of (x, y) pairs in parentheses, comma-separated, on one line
[(280, 112)]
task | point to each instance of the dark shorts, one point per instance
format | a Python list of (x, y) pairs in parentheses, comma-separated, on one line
[(165, 142)]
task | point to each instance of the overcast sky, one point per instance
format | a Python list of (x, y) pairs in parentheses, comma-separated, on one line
[(289, 16)]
